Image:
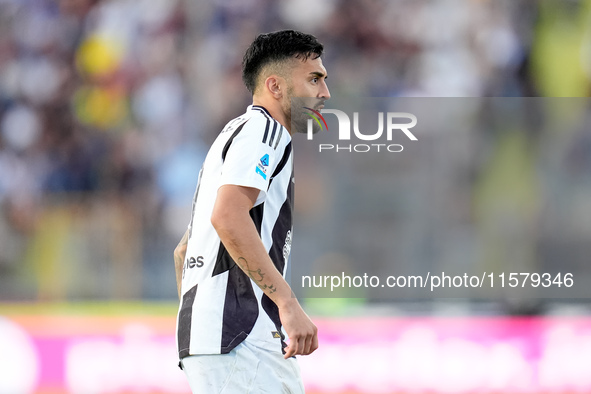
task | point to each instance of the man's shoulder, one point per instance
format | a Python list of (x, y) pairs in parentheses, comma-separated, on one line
[(257, 125), (250, 120)]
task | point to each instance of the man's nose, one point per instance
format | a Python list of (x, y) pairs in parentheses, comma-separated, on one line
[(324, 92)]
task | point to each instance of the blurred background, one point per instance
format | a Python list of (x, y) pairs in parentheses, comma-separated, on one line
[(108, 107)]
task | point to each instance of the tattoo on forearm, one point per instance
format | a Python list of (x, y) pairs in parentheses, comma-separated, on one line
[(257, 275)]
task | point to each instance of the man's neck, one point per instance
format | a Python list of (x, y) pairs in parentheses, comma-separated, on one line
[(274, 108)]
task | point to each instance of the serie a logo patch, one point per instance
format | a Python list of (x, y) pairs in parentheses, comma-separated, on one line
[(261, 167)]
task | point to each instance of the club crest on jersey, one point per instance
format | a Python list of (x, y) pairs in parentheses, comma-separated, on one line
[(261, 167)]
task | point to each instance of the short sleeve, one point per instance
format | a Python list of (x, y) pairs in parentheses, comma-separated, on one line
[(250, 161)]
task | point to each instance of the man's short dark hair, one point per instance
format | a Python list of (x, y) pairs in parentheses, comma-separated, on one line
[(277, 47)]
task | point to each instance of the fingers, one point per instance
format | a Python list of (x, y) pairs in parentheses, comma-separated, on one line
[(311, 342), (314, 342), (302, 345), (291, 349), (288, 353), (307, 345)]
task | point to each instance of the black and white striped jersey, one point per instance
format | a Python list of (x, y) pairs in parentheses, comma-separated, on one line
[(221, 306)]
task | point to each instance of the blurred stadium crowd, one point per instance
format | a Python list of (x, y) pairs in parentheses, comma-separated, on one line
[(107, 108)]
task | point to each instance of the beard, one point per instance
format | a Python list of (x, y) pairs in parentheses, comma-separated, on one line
[(298, 112)]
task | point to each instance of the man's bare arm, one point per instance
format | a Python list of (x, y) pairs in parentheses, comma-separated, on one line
[(239, 235), (179, 258)]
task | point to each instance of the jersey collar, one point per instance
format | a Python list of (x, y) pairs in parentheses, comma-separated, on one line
[(262, 108)]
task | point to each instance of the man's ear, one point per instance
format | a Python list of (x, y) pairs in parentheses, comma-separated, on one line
[(274, 84)]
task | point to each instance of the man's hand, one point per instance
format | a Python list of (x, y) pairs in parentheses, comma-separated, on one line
[(302, 333)]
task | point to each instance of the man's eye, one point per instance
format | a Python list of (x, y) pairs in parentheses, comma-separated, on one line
[(314, 80)]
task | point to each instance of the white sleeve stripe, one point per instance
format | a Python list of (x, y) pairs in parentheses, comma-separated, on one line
[(278, 137), (272, 134)]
